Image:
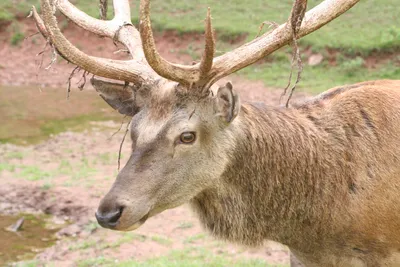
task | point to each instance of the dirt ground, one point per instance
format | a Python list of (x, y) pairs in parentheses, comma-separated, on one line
[(68, 174)]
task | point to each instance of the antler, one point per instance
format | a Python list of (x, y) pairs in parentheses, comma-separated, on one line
[(119, 28), (183, 74), (209, 71), (148, 64), (264, 45)]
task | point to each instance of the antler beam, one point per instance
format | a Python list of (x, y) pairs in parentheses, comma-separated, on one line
[(264, 45), (120, 29)]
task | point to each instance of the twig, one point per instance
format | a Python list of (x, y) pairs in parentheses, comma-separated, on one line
[(295, 20), (120, 146), (103, 7), (192, 113), (299, 71), (290, 77), (41, 53), (53, 58), (77, 68), (31, 35), (119, 129), (269, 23), (82, 85)]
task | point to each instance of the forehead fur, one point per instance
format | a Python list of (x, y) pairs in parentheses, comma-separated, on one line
[(162, 99)]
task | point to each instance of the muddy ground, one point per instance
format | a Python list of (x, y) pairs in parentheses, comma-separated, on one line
[(68, 174)]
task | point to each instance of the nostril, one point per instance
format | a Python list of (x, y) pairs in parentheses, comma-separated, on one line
[(115, 216), (110, 218)]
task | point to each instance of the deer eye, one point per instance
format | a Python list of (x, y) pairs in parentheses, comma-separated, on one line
[(188, 137)]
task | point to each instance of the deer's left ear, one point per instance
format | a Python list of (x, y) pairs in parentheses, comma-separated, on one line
[(227, 103)]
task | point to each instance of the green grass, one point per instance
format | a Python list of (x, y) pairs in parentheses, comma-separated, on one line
[(194, 238), (161, 240), (370, 25), (31, 263), (352, 34), (33, 173), (381, 25), (321, 77), (191, 257), (185, 225), (5, 166), (15, 155)]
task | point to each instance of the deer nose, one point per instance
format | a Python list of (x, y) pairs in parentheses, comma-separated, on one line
[(109, 218)]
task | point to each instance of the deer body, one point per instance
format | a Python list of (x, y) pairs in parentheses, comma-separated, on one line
[(322, 178)]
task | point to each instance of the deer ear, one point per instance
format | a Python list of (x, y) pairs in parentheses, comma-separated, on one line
[(227, 103), (120, 97)]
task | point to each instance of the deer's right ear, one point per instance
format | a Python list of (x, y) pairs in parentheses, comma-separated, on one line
[(120, 97), (227, 103)]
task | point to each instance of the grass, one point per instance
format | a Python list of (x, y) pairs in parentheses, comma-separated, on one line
[(5, 166), (33, 173), (15, 155), (161, 240), (191, 257), (381, 25), (319, 78), (17, 37), (125, 238), (185, 225), (352, 34), (194, 238)]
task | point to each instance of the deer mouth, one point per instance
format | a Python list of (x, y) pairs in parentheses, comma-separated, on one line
[(137, 224)]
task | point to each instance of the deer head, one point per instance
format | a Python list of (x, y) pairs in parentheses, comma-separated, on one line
[(180, 130)]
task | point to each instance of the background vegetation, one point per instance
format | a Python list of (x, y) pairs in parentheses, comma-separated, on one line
[(362, 44)]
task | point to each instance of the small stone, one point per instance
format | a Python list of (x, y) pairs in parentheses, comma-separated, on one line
[(58, 221), (71, 230), (315, 59)]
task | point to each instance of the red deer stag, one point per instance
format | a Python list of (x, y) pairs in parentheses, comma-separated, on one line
[(322, 177)]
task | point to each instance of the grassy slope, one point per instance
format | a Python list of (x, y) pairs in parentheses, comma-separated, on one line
[(372, 25)]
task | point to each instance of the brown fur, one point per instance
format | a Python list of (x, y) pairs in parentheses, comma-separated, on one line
[(326, 186), (322, 177)]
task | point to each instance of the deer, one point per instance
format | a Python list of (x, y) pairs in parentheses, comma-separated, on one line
[(321, 176)]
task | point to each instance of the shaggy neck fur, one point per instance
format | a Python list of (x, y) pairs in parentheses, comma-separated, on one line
[(284, 192)]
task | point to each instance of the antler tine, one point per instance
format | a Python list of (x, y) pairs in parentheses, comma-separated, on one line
[(180, 73), (209, 48), (39, 23), (130, 71), (114, 29), (264, 45)]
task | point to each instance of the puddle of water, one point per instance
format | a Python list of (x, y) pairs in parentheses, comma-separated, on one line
[(29, 116), (36, 234)]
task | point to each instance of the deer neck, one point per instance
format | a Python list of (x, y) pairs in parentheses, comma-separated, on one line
[(275, 185)]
